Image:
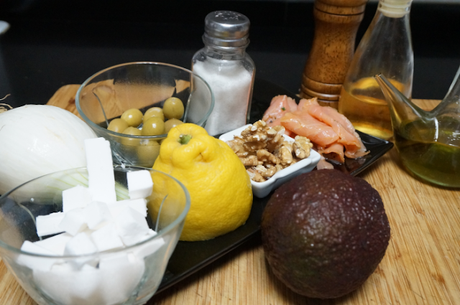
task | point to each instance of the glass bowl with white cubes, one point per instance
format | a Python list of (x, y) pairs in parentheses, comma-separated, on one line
[(88, 235)]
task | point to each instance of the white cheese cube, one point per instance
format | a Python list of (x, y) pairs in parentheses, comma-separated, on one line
[(140, 205), (35, 262), (121, 273), (55, 244), (106, 238), (75, 197), (150, 247), (101, 179), (49, 224), (139, 184), (65, 285), (74, 221), (81, 244), (131, 226), (97, 214)]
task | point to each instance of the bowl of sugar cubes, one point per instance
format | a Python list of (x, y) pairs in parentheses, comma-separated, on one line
[(101, 234)]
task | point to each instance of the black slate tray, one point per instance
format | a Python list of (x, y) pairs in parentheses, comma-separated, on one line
[(188, 257)]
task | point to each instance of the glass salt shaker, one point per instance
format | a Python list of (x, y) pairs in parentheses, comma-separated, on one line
[(224, 64), (386, 48)]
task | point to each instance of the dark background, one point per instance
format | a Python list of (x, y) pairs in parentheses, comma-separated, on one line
[(52, 43)]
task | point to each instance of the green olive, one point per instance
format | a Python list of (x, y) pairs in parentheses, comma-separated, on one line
[(132, 131), (154, 112), (147, 153), (117, 125), (169, 124), (153, 127), (173, 108), (131, 141), (132, 116)]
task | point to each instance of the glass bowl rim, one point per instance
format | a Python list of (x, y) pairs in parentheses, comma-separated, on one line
[(122, 168), (117, 134)]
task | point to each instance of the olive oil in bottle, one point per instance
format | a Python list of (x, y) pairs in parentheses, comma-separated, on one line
[(365, 106), (386, 48)]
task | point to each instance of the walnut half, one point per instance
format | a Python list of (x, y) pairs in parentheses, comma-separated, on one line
[(264, 151), (302, 147)]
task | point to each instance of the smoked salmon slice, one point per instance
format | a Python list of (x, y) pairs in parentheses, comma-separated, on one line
[(312, 104), (330, 131), (335, 151), (303, 124), (338, 122), (279, 105)]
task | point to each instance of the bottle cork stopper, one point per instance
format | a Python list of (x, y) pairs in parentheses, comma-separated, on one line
[(395, 8)]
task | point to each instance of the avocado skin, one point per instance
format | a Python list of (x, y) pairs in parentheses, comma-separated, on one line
[(324, 233)]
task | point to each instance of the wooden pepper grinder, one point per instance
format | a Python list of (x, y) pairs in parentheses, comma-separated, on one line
[(336, 25)]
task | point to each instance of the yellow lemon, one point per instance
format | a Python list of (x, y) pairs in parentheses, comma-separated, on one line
[(219, 186)]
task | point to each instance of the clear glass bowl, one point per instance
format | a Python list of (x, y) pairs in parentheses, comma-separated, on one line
[(108, 93), (131, 275)]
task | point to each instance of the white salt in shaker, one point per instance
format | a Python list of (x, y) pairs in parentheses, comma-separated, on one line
[(224, 64)]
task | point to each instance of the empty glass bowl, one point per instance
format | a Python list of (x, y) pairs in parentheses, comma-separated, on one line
[(140, 85), (128, 275)]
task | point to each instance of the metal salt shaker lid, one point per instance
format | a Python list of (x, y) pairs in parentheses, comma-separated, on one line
[(226, 29)]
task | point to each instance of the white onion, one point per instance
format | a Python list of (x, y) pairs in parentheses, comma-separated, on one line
[(39, 139)]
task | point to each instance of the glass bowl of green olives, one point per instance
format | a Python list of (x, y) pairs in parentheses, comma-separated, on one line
[(134, 105)]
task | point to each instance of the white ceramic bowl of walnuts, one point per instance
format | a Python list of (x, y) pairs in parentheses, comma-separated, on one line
[(271, 157)]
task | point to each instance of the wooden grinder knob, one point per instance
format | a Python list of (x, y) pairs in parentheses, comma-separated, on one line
[(336, 25)]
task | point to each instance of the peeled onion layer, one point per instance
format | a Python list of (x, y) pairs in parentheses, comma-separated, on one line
[(44, 190), (37, 140)]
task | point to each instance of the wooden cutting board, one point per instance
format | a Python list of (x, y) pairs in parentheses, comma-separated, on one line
[(421, 265), (64, 98), (138, 97)]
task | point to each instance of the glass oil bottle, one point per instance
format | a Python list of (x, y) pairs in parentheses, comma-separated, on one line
[(386, 48)]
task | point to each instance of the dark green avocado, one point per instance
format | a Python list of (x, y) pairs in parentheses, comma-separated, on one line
[(324, 233)]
